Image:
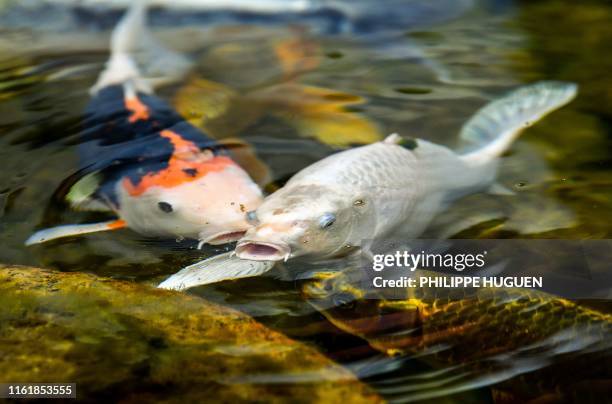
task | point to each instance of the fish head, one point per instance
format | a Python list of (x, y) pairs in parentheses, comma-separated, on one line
[(210, 208), (296, 221)]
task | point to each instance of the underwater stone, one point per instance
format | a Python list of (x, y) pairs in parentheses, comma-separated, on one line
[(128, 341)]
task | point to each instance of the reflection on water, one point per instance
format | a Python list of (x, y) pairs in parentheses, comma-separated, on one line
[(288, 91)]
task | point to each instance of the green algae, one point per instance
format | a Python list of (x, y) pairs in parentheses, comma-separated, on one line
[(119, 339)]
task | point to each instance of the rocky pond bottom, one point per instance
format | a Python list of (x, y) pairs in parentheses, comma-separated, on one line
[(131, 342)]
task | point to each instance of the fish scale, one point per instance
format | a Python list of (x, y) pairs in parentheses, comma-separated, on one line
[(524, 341), (500, 330), (500, 319)]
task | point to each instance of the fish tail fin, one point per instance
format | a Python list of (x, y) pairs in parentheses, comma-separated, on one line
[(125, 42), (491, 131), (136, 58)]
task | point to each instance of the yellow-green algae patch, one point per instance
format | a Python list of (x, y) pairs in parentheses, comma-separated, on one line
[(129, 341)]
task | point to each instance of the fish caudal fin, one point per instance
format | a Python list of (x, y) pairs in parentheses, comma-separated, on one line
[(493, 129), (125, 43), (215, 269), (73, 230), (137, 59)]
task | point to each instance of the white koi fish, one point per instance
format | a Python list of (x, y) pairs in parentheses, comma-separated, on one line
[(389, 189)]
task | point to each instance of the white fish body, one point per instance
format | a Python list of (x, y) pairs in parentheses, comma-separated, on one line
[(400, 188), (392, 188)]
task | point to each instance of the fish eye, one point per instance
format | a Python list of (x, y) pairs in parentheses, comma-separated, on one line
[(327, 220), (165, 207), (251, 217)]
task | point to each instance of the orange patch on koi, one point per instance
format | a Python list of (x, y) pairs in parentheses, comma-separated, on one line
[(183, 149), (187, 163), (138, 109), (117, 224)]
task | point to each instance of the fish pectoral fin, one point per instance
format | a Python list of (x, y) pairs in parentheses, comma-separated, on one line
[(68, 230), (81, 194), (215, 269), (499, 189)]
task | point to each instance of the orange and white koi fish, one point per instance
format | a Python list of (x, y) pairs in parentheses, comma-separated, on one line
[(160, 175)]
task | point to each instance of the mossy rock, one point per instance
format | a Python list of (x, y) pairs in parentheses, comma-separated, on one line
[(119, 340)]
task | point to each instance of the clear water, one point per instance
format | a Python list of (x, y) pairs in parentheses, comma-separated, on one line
[(422, 79)]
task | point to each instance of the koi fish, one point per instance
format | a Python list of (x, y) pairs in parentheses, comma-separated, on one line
[(522, 342), (142, 161), (389, 189)]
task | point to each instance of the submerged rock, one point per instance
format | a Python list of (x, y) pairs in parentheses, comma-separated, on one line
[(119, 340)]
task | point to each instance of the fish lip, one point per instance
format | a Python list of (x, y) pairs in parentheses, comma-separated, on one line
[(262, 251), (224, 237)]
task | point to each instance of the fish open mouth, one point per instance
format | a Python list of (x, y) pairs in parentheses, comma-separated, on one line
[(225, 237), (262, 251)]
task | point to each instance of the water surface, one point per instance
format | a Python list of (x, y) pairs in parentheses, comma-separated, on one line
[(421, 77)]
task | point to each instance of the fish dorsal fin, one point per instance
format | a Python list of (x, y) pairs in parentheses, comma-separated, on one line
[(68, 230), (492, 129), (215, 269), (393, 138)]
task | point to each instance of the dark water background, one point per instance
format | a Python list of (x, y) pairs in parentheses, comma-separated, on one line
[(421, 72)]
